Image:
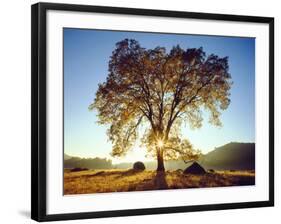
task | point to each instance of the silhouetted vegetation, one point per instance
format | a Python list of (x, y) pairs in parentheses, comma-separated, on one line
[(89, 163), (78, 169)]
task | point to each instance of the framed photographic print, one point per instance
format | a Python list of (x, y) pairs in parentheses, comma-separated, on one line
[(139, 111)]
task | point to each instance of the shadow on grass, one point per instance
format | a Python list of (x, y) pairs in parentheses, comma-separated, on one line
[(119, 174), (156, 182), (160, 180)]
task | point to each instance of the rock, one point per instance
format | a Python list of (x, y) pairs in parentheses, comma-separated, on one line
[(194, 168), (139, 166)]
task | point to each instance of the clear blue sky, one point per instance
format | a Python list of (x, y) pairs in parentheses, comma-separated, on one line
[(86, 56)]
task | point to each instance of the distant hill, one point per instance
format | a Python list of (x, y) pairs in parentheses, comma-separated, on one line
[(90, 163), (232, 156), (67, 156), (236, 156)]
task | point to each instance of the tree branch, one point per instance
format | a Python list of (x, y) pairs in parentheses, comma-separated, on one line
[(181, 153), (133, 128), (192, 98)]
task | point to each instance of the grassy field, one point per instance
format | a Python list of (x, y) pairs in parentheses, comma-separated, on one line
[(100, 181)]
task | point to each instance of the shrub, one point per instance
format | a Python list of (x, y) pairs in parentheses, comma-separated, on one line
[(77, 169)]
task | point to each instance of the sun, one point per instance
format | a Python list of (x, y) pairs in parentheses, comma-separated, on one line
[(160, 143)]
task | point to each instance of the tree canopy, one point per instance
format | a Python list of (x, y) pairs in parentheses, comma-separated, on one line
[(160, 91)]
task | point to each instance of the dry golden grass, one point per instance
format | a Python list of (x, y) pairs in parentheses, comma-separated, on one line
[(100, 181)]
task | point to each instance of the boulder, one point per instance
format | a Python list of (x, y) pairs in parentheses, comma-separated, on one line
[(194, 168), (139, 166)]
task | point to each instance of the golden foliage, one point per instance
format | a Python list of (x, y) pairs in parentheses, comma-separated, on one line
[(160, 90)]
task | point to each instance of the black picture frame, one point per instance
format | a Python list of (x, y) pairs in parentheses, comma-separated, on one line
[(39, 122)]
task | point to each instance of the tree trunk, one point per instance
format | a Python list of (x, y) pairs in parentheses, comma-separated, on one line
[(160, 161)]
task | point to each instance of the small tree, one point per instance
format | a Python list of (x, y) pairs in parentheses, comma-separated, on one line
[(160, 90)]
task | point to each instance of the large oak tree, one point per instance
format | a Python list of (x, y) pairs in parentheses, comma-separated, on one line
[(160, 91)]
